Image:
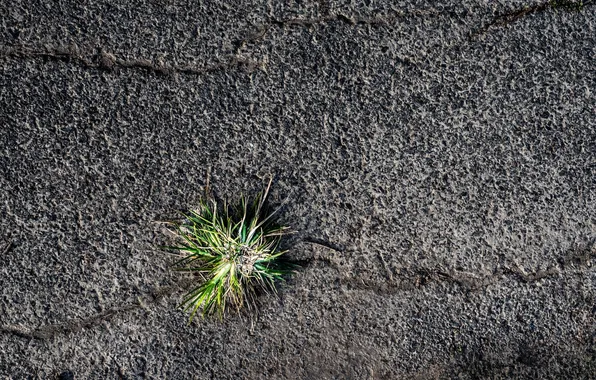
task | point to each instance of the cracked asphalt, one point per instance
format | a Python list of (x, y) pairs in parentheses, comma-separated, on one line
[(439, 162)]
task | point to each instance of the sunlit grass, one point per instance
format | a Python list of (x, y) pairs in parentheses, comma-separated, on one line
[(234, 249)]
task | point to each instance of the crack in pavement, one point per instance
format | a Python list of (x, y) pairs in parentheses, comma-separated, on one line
[(412, 278), (101, 59), (416, 278), (514, 16), (47, 331), (74, 325)]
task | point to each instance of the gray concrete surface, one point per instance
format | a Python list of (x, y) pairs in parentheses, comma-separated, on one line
[(439, 159)]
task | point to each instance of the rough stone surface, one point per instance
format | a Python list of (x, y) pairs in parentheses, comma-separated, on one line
[(439, 159)]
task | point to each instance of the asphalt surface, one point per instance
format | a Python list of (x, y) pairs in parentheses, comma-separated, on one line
[(438, 160)]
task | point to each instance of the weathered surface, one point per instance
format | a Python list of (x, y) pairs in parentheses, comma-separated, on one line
[(440, 162)]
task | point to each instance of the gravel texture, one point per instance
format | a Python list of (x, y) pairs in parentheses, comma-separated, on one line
[(438, 158)]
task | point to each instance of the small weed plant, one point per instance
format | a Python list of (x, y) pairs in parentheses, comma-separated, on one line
[(235, 250)]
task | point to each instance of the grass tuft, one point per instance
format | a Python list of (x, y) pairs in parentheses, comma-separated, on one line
[(234, 249)]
